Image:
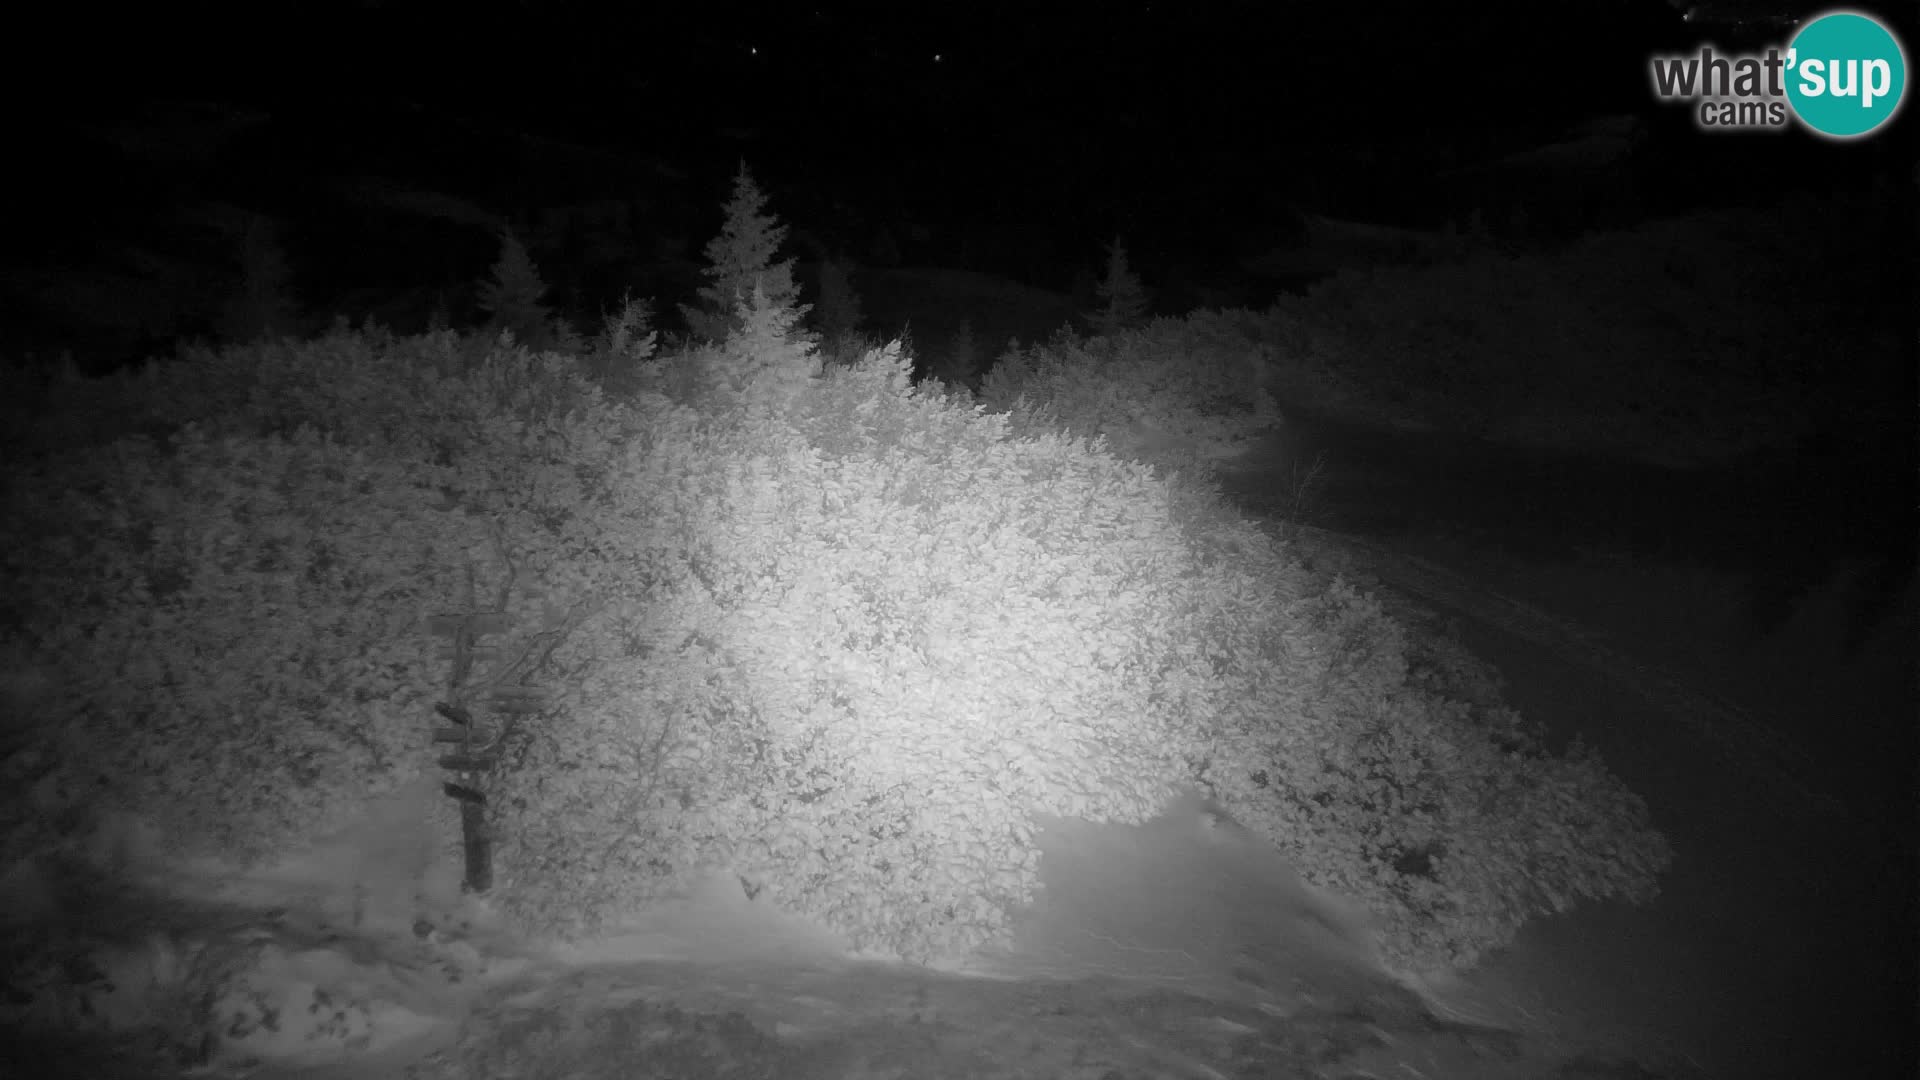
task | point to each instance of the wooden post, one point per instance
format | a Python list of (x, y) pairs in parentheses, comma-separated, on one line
[(474, 752), (477, 845)]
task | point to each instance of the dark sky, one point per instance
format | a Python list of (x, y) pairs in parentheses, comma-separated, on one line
[(887, 72), (1199, 127), (953, 96)]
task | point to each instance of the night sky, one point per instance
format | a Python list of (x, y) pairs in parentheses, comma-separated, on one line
[(1033, 131)]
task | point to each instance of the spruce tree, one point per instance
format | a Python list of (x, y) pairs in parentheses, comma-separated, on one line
[(768, 357), (1123, 301), (961, 366), (740, 259), (627, 335), (626, 342), (512, 298)]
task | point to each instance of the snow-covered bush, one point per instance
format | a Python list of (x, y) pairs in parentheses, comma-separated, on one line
[(1666, 339), (204, 610), (954, 628), (1447, 818), (838, 686), (232, 607), (1163, 393), (846, 641)]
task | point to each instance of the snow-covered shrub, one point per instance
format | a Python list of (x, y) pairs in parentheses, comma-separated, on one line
[(899, 630), (849, 348), (1161, 394), (847, 648), (449, 393), (881, 636), (1447, 818), (1665, 338), (213, 615), (231, 608)]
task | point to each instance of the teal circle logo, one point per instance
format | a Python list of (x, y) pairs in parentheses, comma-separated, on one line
[(1846, 74)]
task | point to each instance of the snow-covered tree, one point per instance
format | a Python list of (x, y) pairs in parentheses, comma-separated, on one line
[(960, 367), (1123, 301), (768, 356), (512, 296), (740, 259), (628, 335), (626, 343)]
